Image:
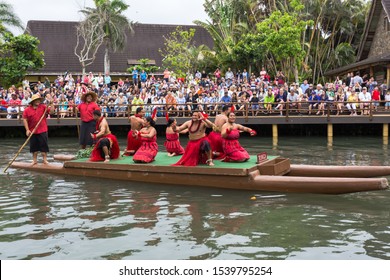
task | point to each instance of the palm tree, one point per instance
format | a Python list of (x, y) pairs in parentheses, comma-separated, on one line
[(8, 18), (108, 15)]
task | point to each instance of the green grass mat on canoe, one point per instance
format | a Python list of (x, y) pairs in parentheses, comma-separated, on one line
[(162, 158)]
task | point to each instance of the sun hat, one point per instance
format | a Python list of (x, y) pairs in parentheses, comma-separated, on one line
[(92, 93), (35, 97)]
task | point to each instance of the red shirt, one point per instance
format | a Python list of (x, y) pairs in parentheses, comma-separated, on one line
[(86, 111), (33, 116), (376, 95)]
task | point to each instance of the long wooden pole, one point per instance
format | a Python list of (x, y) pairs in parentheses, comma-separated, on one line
[(77, 121), (28, 139)]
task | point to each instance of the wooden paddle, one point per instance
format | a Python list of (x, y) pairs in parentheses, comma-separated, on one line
[(28, 139)]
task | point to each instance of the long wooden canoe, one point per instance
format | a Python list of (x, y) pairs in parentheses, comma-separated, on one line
[(267, 176)]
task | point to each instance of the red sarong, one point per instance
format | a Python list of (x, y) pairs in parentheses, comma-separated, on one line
[(192, 155), (148, 150), (97, 154), (232, 148), (172, 144), (133, 143), (215, 140)]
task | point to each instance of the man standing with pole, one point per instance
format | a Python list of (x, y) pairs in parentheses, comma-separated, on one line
[(34, 120)]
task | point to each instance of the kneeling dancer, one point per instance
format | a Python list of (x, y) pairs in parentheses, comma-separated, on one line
[(149, 148), (198, 149), (107, 146), (232, 149)]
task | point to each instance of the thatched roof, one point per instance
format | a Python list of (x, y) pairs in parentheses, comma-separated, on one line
[(58, 39)]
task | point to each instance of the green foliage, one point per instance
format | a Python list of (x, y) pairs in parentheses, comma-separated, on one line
[(84, 153), (176, 54), (144, 65), (282, 33), (249, 50), (17, 55), (8, 18)]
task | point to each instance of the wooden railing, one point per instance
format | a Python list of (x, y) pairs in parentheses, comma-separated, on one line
[(242, 110)]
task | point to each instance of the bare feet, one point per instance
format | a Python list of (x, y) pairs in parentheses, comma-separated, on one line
[(210, 162), (45, 162), (171, 155), (34, 163), (107, 159)]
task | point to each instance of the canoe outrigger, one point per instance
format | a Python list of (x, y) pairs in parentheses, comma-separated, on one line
[(272, 174)]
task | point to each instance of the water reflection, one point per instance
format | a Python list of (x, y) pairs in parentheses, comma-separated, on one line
[(52, 217)]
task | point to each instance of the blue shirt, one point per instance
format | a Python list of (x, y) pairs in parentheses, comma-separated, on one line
[(143, 76), (135, 74), (226, 99)]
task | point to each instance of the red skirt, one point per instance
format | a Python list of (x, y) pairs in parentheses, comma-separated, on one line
[(133, 143), (98, 154), (232, 148), (192, 155), (148, 150), (172, 144), (215, 140)]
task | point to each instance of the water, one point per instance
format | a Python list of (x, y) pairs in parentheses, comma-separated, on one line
[(63, 217)]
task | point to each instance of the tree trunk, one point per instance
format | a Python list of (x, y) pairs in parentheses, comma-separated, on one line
[(106, 61)]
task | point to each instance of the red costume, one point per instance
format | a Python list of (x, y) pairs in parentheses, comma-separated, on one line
[(193, 155), (215, 140), (232, 148), (172, 144), (148, 150), (133, 143), (97, 152)]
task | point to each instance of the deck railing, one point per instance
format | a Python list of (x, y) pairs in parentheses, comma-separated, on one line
[(242, 110)]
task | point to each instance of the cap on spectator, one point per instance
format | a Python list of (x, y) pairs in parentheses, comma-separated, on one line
[(365, 88), (310, 85)]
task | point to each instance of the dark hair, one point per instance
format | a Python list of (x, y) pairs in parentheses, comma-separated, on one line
[(151, 121), (97, 113), (139, 109), (170, 121), (225, 108)]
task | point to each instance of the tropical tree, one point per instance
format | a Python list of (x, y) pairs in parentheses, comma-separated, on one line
[(8, 18), (17, 55), (89, 38), (282, 35), (144, 64), (176, 55), (108, 15)]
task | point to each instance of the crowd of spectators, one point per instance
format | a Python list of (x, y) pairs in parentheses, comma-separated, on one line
[(256, 94)]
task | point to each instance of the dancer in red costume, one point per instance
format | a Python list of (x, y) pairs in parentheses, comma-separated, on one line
[(149, 148), (172, 144), (107, 146), (198, 149), (214, 136), (136, 123), (232, 149)]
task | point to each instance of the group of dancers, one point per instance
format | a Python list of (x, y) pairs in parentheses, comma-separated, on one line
[(222, 143)]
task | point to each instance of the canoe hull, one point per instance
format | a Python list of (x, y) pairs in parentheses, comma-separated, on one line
[(338, 171), (184, 176)]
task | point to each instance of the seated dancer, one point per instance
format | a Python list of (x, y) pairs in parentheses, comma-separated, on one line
[(149, 148), (198, 149), (232, 149), (107, 146), (172, 144), (136, 123), (214, 136)]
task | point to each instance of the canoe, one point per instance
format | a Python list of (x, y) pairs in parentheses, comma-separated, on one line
[(350, 171), (266, 176)]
